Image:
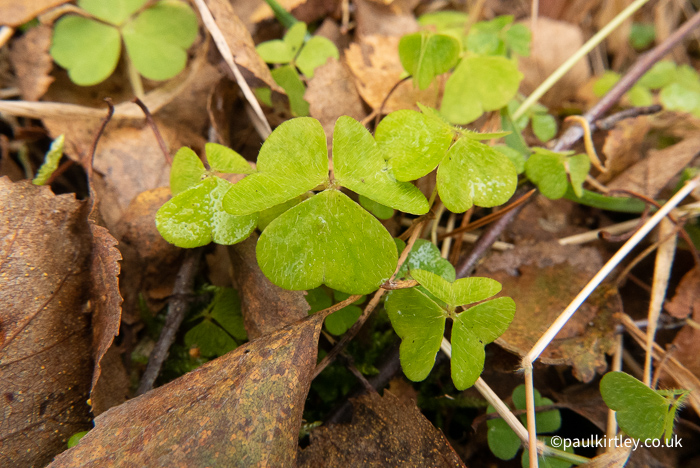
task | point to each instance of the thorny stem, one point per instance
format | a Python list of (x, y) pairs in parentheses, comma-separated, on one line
[(177, 307), (641, 66), (578, 55), (350, 334)]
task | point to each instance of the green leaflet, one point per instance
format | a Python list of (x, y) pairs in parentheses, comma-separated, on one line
[(327, 239), (53, 156), (426, 55)]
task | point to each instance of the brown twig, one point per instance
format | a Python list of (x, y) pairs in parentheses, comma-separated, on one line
[(386, 99), (154, 127), (88, 162), (177, 306), (468, 262), (610, 121), (641, 66)]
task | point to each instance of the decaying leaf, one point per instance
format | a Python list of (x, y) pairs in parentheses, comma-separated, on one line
[(45, 356), (394, 19), (650, 175), (32, 62), (266, 307), (15, 13), (242, 409), (686, 301), (543, 279), (331, 94), (623, 145), (385, 431), (376, 67)]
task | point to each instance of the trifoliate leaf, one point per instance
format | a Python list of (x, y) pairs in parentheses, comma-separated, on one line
[(327, 239), (223, 159), (445, 22), (340, 321), (473, 173), (518, 38), (413, 143), (89, 50), (157, 39), (420, 323), (479, 84), (187, 170), (515, 156), (640, 411), (544, 126), (292, 161), (210, 338), (275, 51), (460, 292), (485, 36), (546, 421), (546, 170), (426, 256), (287, 77), (426, 55), (195, 217), (114, 11), (377, 209), (359, 166), (53, 156), (315, 53), (579, 165), (473, 329)]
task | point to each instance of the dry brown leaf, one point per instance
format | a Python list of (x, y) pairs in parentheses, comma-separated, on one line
[(375, 65), (384, 19), (543, 279), (653, 173), (45, 355), (243, 409), (265, 306), (615, 458), (106, 314), (14, 13), (623, 146), (552, 44), (242, 46), (331, 94), (686, 301), (32, 62), (385, 431), (307, 11)]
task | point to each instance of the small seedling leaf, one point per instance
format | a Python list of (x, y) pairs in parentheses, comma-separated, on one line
[(546, 169), (226, 311), (420, 323), (460, 292), (53, 156), (413, 143), (223, 159), (292, 161), (115, 11), (579, 165), (544, 126), (327, 239), (359, 166), (315, 53), (187, 171), (275, 51), (640, 411), (426, 256), (546, 421), (473, 173), (75, 438), (89, 50), (426, 55), (479, 84), (157, 39), (339, 322), (515, 156), (518, 38), (318, 299), (294, 38), (195, 217), (287, 77), (211, 339)]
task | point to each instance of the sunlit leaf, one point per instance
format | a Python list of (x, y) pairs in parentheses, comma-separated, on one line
[(426, 55), (223, 159), (377, 209), (187, 170), (315, 53), (544, 126), (53, 156), (114, 11), (339, 322), (287, 77)]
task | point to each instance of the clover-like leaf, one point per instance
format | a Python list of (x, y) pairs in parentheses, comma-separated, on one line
[(460, 292), (283, 51), (327, 239), (315, 53), (359, 166), (223, 159), (413, 143), (226, 312), (195, 217), (578, 167), (292, 161), (115, 12), (377, 209), (420, 323), (210, 339), (265, 217), (544, 127), (479, 84), (426, 55), (187, 170), (548, 170), (287, 77), (473, 173), (474, 328), (426, 256), (640, 411), (318, 300), (157, 39), (340, 321), (88, 49)]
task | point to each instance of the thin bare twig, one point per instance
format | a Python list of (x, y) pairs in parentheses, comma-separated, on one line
[(177, 306), (154, 127), (612, 120)]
